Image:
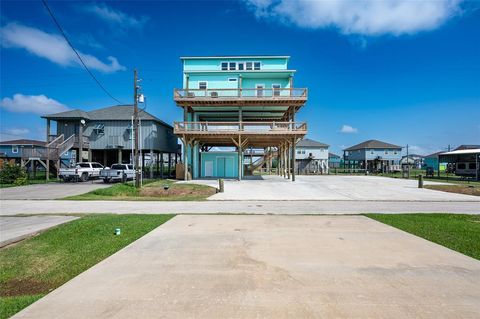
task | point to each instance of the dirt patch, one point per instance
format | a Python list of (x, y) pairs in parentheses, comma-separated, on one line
[(459, 189), (15, 287), (178, 191)]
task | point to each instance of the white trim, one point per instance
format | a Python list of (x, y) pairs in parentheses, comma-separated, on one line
[(246, 71), (260, 67), (14, 147), (221, 67), (257, 91), (275, 89), (236, 57)]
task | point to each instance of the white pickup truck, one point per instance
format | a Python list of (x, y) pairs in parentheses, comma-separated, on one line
[(118, 172), (82, 171)]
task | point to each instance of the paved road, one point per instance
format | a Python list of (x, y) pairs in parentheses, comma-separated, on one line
[(330, 187), (14, 207), (50, 190), (13, 229), (272, 267)]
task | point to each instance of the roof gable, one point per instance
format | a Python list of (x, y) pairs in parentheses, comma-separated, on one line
[(371, 144), (306, 142)]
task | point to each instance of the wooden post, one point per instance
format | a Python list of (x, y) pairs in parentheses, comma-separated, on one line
[(59, 163), (47, 167), (151, 164), (240, 162), (293, 159), (169, 164), (80, 142), (161, 165), (104, 157), (48, 130), (119, 156), (289, 153), (185, 158)]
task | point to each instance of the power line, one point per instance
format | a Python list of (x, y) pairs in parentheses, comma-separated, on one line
[(74, 50)]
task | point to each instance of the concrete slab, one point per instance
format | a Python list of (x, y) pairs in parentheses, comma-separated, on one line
[(272, 267), (330, 187), (50, 190), (13, 229)]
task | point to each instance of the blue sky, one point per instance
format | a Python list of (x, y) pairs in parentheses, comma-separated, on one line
[(406, 72)]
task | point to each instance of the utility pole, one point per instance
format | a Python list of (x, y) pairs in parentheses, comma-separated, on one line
[(408, 164), (136, 127)]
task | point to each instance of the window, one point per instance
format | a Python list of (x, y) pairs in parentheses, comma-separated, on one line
[(371, 152), (276, 89), (260, 88), (241, 66), (224, 66), (299, 152), (232, 80), (202, 85), (386, 151), (472, 165), (99, 128), (395, 152), (461, 166), (256, 65), (249, 66), (232, 66), (303, 151), (14, 149)]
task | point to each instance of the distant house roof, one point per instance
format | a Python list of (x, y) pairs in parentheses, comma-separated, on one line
[(371, 144), (434, 155), (306, 142), (333, 155), (413, 155), (116, 112), (23, 142), (466, 147)]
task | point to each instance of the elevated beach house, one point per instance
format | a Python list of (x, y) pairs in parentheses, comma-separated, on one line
[(374, 156), (311, 157), (231, 103), (105, 136)]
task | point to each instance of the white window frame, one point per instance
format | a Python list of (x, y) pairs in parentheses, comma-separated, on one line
[(238, 66), (257, 89), (278, 90), (251, 67), (259, 68), (206, 85), (234, 66), (15, 149), (221, 66)]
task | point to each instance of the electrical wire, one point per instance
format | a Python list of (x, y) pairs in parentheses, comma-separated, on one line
[(76, 52)]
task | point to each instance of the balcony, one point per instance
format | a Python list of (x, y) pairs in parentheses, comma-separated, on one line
[(270, 96), (255, 134)]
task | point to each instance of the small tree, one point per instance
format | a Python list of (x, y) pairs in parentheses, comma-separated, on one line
[(12, 173)]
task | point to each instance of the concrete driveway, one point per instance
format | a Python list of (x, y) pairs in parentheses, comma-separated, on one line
[(52, 190), (272, 267), (331, 187)]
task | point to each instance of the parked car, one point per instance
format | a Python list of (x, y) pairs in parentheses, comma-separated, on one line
[(118, 172), (82, 171)]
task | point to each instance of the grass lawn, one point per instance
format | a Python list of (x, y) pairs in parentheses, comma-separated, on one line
[(458, 188), (457, 232), (151, 191), (34, 267)]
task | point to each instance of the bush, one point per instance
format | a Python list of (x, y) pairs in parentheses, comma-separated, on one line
[(21, 181), (11, 173)]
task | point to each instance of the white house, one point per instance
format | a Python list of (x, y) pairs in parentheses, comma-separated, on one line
[(311, 157)]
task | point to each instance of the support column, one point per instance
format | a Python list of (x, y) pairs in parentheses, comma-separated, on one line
[(89, 155), (59, 164), (151, 164), (240, 162), (169, 164), (289, 162), (119, 156), (185, 158), (47, 166), (161, 165), (80, 142), (157, 165), (293, 159), (104, 157), (48, 130)]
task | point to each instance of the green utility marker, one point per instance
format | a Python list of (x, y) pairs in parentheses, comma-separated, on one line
[(117, 231)]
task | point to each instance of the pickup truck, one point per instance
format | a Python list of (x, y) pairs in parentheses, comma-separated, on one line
[(82, 171), (118, 172)]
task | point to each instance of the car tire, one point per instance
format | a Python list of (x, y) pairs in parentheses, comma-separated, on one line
[(84, 177), (106, 180)]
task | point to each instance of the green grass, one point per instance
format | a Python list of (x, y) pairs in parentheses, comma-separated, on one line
[(457, 232), (153, 191), (34, 267)]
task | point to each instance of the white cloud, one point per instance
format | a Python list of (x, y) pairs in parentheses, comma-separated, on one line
[(118, 17), (348, 129), (362, 17), (38, 104), (51, 47)]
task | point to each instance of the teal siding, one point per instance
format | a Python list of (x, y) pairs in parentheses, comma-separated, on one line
[(224, 164), (215, 64)]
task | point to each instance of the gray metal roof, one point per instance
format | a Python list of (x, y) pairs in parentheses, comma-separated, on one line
[(116, 112), (23, 142), (371, 144), (306, 142)]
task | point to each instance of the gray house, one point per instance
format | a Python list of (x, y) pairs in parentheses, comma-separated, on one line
[(374, 156), (311, 157), (105, 135)]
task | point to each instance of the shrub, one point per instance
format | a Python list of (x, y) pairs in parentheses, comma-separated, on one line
[(11, 172), (21, 181)]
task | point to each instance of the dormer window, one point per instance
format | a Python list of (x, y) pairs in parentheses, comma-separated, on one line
[(224, 66)]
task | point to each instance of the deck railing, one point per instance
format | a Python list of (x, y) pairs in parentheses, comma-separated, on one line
[(244, 127), (251, 93)]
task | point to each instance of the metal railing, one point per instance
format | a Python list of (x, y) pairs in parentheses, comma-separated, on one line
[(250, 93), (245, 127)]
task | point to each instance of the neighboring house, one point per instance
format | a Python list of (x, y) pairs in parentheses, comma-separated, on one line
[(467, 147), (105, 135), (311, 157), (413, 160), (463, 162), (334, 160), (374, 156), (237, 102), (432, 162)]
